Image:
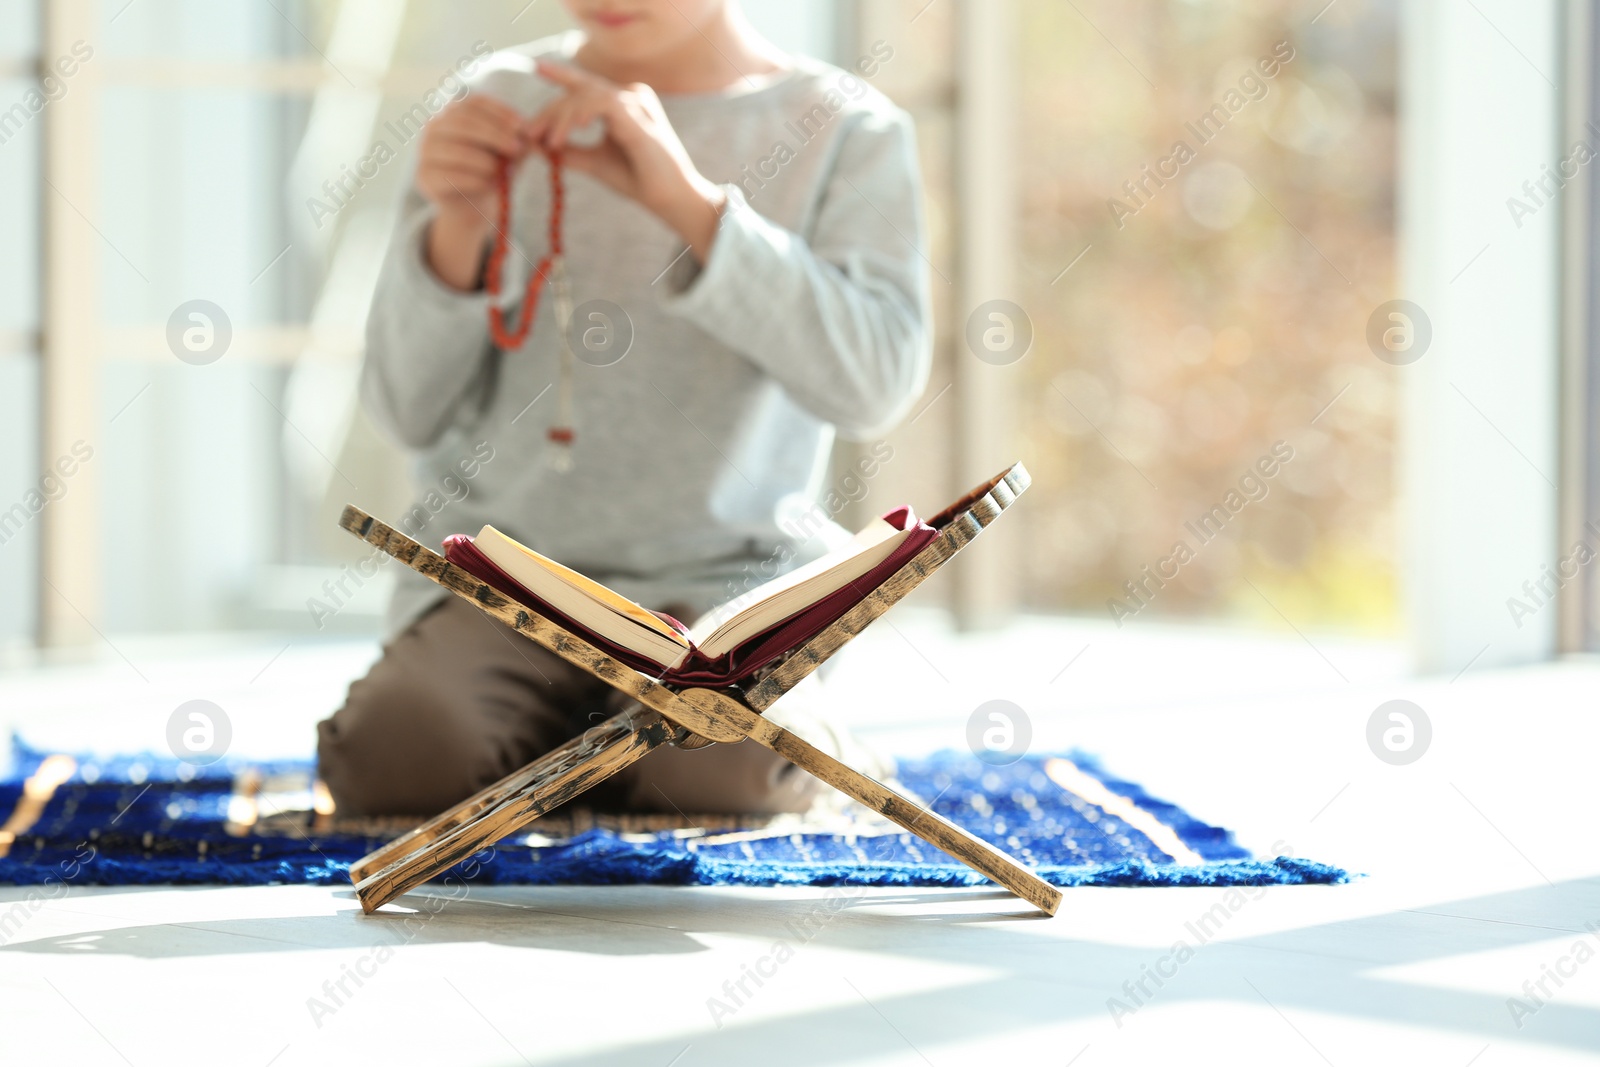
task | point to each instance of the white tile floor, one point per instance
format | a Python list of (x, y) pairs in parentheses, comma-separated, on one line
[(1482, 867)]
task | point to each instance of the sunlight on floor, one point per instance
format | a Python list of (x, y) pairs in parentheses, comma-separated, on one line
[(1471, 888)]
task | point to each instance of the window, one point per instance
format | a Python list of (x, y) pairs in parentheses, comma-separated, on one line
[(1206, 218), (231, 203)]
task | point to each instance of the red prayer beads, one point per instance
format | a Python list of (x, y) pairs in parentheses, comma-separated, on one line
[(502, 244)]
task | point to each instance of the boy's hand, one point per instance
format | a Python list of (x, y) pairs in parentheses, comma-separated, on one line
[(461, 147), (639, 155)]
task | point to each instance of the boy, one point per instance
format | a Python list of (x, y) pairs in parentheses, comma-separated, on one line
[(755, 217)]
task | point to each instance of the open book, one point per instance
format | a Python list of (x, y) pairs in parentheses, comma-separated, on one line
[(728, 645)]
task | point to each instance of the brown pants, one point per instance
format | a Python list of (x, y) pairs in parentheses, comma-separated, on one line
[(459, 701)]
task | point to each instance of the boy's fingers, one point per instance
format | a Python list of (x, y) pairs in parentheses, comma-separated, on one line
[(608, 103), (467, 153), (490, 108), (533, 129), (462, 156), (624, 121), (490, 122), (602, 161), (476, 130), (456, 182), (557, 121), (601, 105), (472, 176), (536, 128), (579, 114)]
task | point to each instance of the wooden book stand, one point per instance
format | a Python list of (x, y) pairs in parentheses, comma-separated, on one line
[(688, 718)]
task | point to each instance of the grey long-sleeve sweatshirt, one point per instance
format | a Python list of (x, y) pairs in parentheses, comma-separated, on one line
[(809, 317)]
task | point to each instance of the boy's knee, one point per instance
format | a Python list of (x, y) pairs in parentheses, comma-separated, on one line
[(397, 748), (741, 779)]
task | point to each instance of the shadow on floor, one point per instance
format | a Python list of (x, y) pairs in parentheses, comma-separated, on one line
[(1326, 968)]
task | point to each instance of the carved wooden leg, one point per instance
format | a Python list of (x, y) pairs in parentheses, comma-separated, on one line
[(721, 718), (447, 821), (546, 784)]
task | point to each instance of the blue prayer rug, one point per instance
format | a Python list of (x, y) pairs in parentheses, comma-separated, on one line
[(139, 820)]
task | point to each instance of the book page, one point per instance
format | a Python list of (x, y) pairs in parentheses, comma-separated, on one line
[(730, 614), (593, 589)]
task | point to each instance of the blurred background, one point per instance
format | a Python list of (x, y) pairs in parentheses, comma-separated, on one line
[(1172, 314)]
